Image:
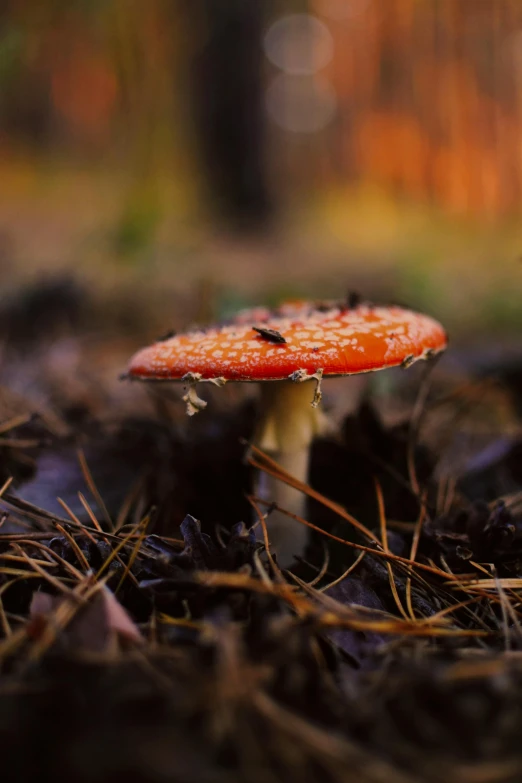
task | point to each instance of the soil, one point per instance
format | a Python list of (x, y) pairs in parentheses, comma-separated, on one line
[(146, 635)]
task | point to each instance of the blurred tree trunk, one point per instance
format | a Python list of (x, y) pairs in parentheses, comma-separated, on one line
[(228, 103)]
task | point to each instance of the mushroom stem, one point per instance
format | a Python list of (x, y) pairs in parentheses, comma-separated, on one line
[(288, 426)]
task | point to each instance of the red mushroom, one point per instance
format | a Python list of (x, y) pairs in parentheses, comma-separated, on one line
[(298, 342)]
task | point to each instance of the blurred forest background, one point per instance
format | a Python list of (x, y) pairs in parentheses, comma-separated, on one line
[(233, 152)]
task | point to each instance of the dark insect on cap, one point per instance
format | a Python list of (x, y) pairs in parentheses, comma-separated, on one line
[(271, 335)]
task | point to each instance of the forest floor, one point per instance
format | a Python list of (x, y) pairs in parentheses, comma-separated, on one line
[(147, 635)]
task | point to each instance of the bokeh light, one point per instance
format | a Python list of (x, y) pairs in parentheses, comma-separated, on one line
[(301, 104), (299, 44)]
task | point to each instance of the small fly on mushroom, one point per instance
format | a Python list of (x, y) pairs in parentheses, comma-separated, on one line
[(282, 350)]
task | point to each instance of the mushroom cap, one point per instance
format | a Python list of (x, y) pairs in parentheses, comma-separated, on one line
[(298, 336)]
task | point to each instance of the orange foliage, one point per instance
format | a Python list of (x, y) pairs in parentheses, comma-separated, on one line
[(429, 100)]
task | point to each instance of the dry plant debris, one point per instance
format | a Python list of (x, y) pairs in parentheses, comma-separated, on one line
[(146, 633)]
